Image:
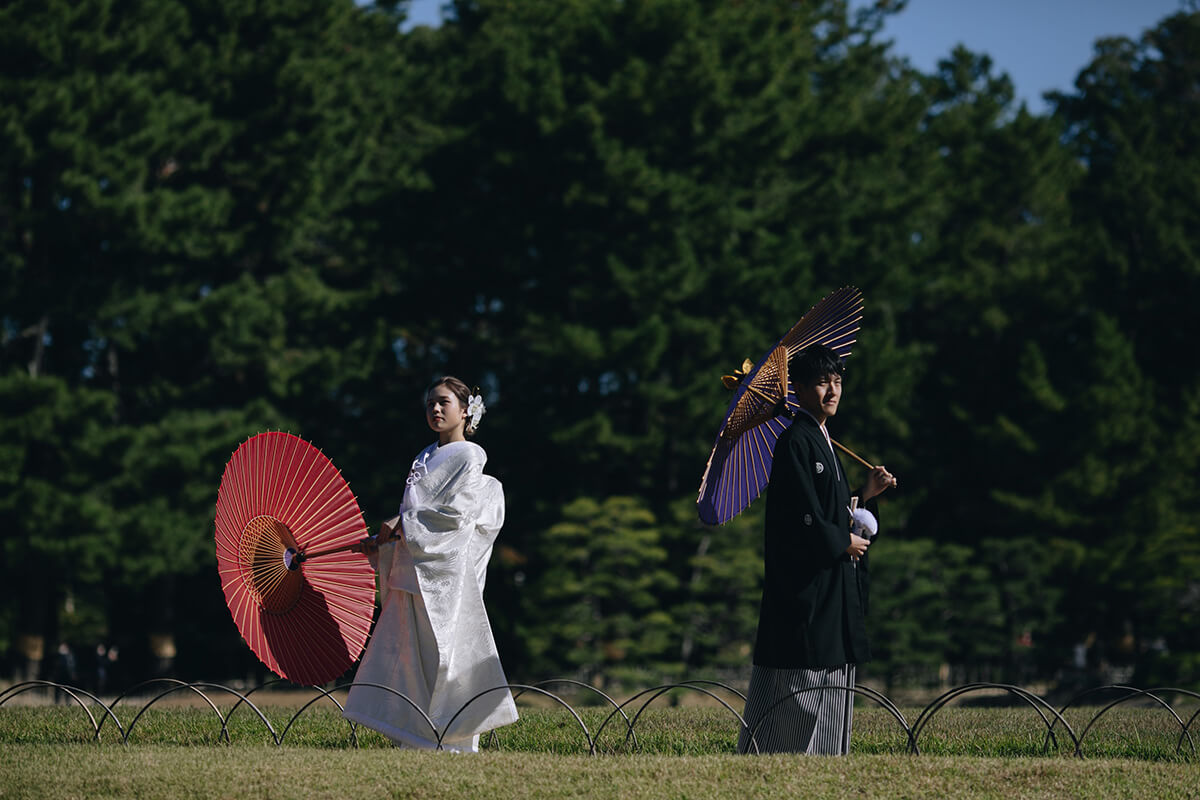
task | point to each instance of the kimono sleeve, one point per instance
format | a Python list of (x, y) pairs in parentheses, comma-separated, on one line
[(437, 533), (864, 563)]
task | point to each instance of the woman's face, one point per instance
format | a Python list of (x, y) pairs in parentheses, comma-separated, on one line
[(443, 411)]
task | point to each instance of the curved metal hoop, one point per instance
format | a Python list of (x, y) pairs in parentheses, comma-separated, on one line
[(325, 693), (1191, 719), (258, 688), (224, 734), (136, 686), (353, 726), (1132, 693), (655, 693), (73, 692), (1037, 703), (492, 738), (893, 709), (173, 681), (524, 688), (718, 684), (1050, 717)]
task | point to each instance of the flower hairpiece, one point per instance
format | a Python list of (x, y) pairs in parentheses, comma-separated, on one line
[(475, 408)]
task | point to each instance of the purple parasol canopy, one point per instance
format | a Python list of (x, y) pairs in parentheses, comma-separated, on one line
[(763, 406)]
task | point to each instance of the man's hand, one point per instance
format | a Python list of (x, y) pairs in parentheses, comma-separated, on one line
[(879, 480), (858, 546)]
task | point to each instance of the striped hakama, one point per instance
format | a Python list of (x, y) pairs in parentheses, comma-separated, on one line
[(816, 721)]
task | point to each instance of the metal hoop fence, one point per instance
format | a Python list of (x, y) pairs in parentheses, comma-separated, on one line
[(97, 712)]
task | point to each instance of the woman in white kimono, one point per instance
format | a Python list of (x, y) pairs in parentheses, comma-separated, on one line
[(433, 642)]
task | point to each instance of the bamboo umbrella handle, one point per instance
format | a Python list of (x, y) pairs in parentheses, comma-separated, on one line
[(852, 454), (302, 557)]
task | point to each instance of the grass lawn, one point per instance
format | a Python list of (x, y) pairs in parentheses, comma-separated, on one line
[(165, 771), (681, 752)]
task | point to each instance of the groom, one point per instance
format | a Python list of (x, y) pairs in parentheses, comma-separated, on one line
[(811, 627)]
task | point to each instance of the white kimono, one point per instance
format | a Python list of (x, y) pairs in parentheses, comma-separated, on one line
[(432, 641)]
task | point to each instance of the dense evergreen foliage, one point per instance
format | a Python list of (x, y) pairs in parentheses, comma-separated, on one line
[(218, 218)]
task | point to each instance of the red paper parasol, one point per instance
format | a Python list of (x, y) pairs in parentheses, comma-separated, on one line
[(762, 407), (282, 503)]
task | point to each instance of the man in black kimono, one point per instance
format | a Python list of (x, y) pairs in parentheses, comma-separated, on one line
[(811, 627)]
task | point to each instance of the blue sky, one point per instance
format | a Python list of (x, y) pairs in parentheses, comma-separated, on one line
[(1041, 44)]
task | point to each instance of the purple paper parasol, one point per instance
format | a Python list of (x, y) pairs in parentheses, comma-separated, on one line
[(763, 405)]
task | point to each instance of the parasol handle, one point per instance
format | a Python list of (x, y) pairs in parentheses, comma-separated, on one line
[(852, 454), (300, 558)]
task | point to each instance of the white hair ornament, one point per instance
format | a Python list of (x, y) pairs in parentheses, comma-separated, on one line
[(475, 408)]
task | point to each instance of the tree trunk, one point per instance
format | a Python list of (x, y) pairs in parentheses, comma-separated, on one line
[(38, 332)]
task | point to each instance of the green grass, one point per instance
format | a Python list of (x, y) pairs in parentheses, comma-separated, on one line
[(1140, 733), (49, 751), (164, 771)]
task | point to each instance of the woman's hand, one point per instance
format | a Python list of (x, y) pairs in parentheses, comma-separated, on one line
[(389, 530), (879, 480), (367, 546)]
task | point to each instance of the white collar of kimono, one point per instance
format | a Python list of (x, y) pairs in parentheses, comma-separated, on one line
[(463, 450), (433, 455)]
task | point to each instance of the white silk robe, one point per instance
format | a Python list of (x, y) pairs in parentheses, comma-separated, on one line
[(433, 641)]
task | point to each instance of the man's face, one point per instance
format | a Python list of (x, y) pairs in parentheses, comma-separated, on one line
[(821, 398)]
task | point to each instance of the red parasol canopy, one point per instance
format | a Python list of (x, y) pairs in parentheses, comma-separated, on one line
[(280, 501), (763, 404)]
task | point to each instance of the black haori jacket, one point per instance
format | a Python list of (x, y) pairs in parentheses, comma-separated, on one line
[(814, 597)]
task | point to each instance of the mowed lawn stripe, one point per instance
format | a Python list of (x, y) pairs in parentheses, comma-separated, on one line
[(163, 771)]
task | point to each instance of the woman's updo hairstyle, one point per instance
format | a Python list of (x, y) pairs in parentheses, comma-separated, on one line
[(459, 390)]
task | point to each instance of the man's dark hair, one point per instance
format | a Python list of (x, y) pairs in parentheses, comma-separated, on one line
[(813, 363)]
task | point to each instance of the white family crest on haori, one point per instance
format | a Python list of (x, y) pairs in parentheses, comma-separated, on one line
[(433, 641)]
